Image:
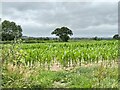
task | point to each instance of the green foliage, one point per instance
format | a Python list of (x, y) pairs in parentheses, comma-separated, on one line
[(29, 65), (81, 77), (67, 54), (10, 30), (63, 33)]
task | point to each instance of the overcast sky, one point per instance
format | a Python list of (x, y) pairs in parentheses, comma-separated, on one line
[(85, 19)]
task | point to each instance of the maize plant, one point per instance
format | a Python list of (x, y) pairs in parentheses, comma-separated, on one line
[(67, 54)]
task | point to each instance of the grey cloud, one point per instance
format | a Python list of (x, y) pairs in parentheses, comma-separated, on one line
[(39, 19), (0, 10)]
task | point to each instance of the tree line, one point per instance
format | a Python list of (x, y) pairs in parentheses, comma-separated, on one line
[(11, 31)]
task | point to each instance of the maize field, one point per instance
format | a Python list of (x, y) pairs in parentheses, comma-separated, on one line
[(67, 54), (30, 65)]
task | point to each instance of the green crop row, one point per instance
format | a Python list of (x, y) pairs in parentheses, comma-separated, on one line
[(67, 54)]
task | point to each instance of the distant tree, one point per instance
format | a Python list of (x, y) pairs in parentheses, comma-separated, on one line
[(116, 36), (47, 38), (95, 38), (63, 33), (10, 30)]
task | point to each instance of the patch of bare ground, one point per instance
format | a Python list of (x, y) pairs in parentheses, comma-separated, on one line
[(57, 67)]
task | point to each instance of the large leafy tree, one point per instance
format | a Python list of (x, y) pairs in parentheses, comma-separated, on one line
[(63, 33), (10, 30)]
